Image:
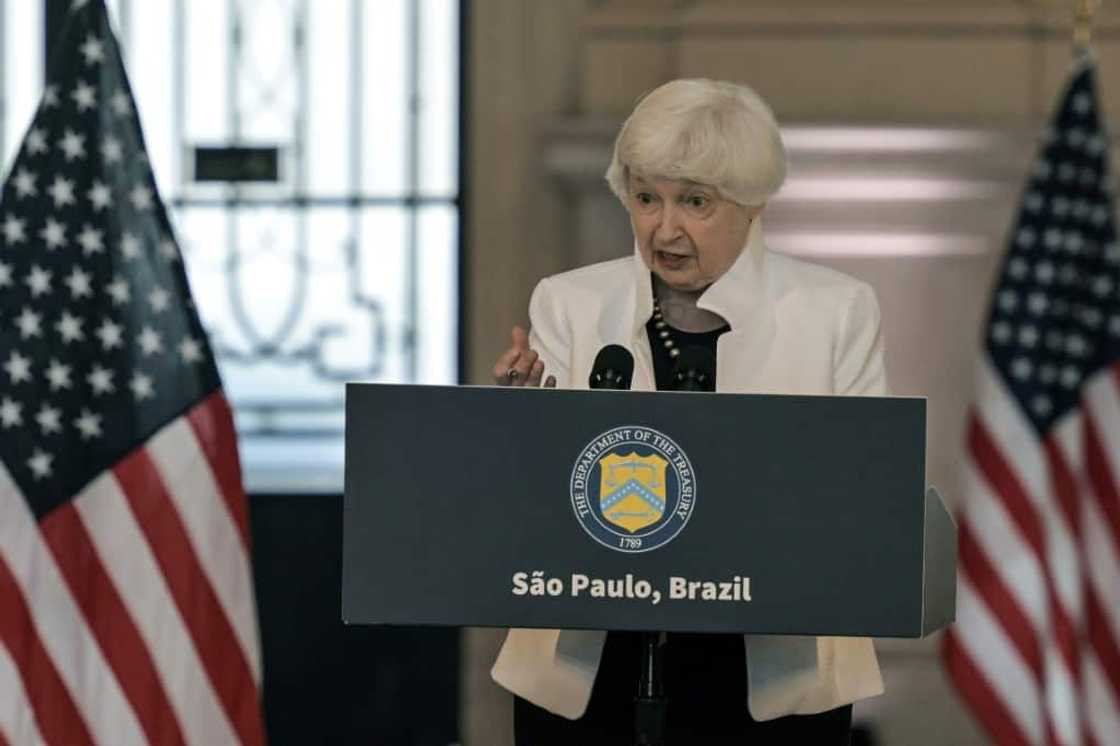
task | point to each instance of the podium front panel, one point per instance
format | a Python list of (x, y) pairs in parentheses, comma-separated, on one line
[(486, 506)]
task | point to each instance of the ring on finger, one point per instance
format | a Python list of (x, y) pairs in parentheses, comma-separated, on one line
[(512, 374)]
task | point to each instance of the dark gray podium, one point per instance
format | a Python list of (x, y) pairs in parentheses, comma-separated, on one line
[(481, 506)]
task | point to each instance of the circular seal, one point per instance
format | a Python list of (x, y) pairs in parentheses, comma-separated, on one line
[(633, 489)]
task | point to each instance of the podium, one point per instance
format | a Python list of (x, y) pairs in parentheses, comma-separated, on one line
[(624, 510)]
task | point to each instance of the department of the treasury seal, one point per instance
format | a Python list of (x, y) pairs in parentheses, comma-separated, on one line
[(633, 489)]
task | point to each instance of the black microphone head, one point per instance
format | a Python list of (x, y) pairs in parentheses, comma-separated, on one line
[(695, 370), (613, 368)]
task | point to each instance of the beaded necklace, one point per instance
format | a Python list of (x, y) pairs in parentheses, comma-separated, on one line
[(662, 328)]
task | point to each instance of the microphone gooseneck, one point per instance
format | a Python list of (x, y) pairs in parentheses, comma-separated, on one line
[(613, 369)]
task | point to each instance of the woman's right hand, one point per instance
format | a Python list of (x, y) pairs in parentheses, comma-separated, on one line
[(520, 365)]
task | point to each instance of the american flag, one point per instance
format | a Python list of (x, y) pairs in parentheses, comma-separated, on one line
[(127, 613), (1035, 651)]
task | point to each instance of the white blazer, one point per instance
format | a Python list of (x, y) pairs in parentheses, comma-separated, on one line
[(796, 328)]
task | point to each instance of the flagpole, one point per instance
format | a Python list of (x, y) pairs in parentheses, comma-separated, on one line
[(1083, 15)]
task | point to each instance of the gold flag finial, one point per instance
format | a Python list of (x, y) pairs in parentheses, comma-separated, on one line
[(1083, 13)]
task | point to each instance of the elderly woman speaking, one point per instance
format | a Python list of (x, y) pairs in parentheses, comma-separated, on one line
[(694, 165)]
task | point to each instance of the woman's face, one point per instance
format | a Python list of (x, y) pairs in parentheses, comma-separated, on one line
[(687, 234)]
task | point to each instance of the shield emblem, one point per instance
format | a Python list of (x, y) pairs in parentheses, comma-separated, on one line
[(632, 490)]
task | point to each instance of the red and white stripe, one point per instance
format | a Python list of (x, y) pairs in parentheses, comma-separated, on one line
[(16, 719), (128, 613), (1034, 650)]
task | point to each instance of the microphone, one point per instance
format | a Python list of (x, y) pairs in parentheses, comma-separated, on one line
[(695, 370), (613, 369)]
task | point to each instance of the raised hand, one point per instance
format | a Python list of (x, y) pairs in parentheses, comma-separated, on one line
[(520, 365)]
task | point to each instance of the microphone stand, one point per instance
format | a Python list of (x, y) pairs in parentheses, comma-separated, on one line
[(693, 373), (614, 366), (651, 704)]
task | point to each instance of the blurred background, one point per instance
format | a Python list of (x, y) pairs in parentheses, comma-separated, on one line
[(424, 162)]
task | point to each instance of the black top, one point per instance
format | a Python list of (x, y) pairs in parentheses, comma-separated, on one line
[(663, 361)]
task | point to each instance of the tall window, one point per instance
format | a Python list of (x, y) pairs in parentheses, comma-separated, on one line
[(346, 268)]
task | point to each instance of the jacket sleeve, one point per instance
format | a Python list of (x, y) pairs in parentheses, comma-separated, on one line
[(550, 333), (858, 368)]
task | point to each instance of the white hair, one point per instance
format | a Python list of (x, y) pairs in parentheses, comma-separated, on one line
[(707, 131)]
